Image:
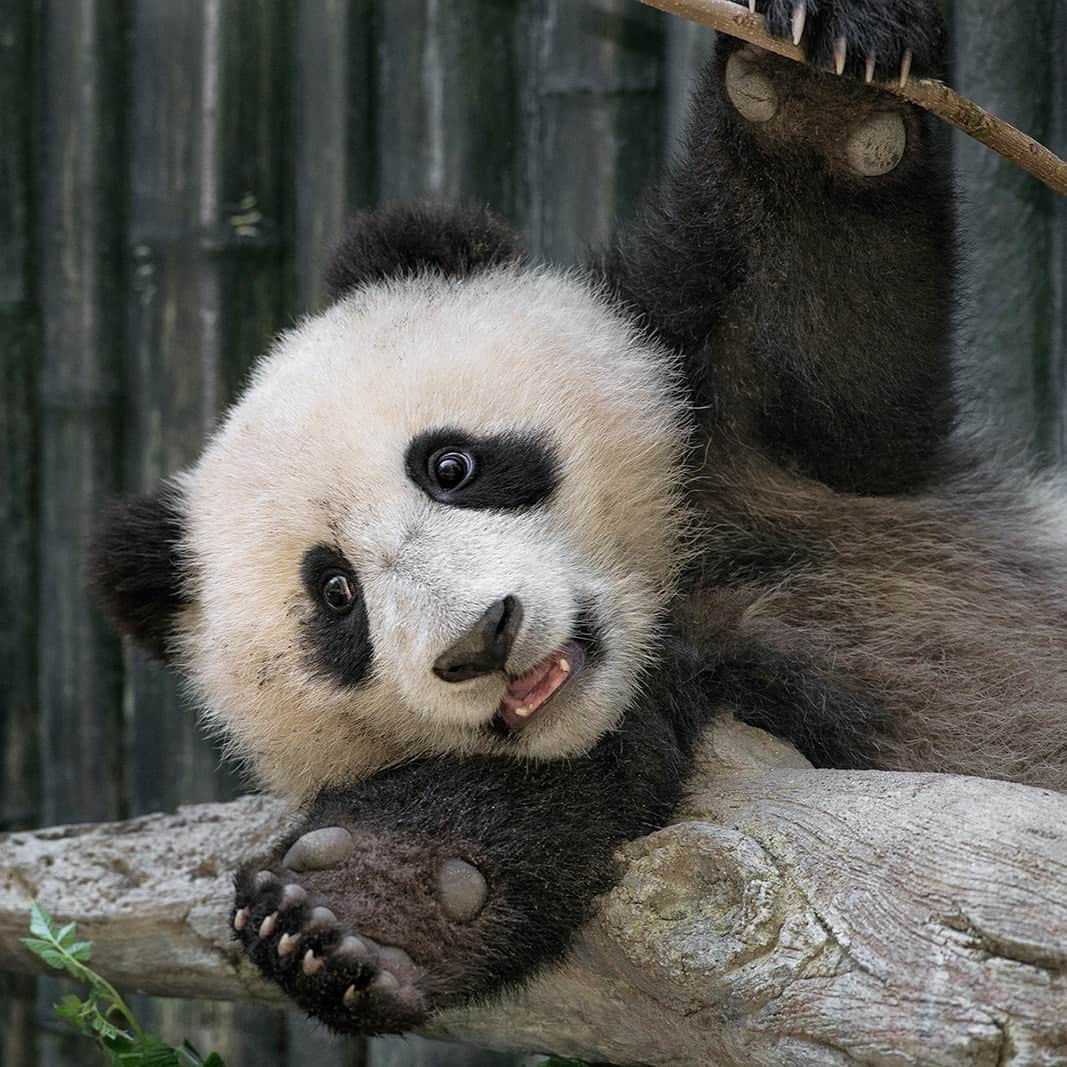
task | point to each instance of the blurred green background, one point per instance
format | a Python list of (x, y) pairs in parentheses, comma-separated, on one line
[(172, 174)]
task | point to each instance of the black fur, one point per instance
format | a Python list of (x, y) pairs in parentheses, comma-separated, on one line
[(339, 646), (543, 836), (399, 240), (511, 470), (883, 30), (136, 568), (814, 307)]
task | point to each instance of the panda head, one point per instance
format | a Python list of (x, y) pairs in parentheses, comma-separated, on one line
[(445, 516)]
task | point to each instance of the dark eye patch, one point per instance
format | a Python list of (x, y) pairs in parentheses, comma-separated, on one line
[(338, 645), (511, 470)]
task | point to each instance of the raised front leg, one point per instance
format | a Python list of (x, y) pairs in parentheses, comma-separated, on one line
[(800, 251), (440, 882)]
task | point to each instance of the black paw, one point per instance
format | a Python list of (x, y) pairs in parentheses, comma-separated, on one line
[(850, 131), (874, 39), (368, 932)]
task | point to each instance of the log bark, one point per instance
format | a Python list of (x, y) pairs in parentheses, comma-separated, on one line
[(789, 916)]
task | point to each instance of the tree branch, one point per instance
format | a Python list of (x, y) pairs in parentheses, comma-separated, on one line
[(791, 916), (936, 97)]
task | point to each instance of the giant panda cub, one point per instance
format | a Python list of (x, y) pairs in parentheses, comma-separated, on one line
[(486, 544)]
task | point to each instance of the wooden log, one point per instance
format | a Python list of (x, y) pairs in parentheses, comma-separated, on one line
[(789, 916)]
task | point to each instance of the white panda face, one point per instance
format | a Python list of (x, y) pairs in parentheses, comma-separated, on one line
[(445, 517)]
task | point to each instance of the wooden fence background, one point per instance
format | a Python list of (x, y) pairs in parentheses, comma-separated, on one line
[(171, 175)]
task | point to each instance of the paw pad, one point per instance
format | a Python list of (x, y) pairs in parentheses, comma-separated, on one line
[(877, 145), (749, 89), (319, 849), (461, 890)]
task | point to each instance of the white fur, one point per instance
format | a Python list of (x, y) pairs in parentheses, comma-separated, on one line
[(314, 453)]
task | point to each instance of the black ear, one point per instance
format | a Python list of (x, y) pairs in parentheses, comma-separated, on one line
[(136, 569), (402, 239)]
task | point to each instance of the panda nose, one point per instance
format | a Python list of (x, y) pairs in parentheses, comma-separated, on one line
[(485, 647)]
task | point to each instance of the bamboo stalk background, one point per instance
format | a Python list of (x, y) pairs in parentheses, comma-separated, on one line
[(19, 345)]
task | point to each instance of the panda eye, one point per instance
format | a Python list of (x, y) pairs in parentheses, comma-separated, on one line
[(451, 469), (337, 593)]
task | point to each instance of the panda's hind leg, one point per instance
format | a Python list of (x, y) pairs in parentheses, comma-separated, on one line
[(338, 916)]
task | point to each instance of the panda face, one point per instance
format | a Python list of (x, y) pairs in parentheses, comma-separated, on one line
[(445, 517)]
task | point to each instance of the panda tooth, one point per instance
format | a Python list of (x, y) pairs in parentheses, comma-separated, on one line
[(564, 666)]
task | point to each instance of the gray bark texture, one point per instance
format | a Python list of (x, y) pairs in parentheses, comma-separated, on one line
[(789, 916)]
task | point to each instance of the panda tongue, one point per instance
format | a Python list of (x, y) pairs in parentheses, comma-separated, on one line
[(529, 693)]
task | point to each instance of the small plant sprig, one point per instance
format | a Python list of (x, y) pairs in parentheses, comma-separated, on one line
[(103, 1015)]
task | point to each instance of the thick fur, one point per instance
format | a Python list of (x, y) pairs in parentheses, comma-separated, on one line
[(317, 451), (400, 240), (855, 584), (135, 566), (491, 813)]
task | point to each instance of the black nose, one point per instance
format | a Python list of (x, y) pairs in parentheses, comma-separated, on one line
[(484, 648)]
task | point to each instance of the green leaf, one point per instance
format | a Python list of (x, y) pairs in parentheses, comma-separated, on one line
[(156, 1053), (36, 945), (64, 935), (53, 957), (214, 1060), (41, 924), (106, 1029), (81, 951), (73, 1011)]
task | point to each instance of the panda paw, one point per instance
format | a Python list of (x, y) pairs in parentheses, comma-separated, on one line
[(366, 931), (858, 132), (883, 41)]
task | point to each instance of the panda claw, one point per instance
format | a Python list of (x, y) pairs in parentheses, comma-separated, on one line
[(905, 68), (311, 964), (351, 997), (800, 15), (840, 55), (869, 75), (287, 943), (240, 919), (266, 928), (752, 6)]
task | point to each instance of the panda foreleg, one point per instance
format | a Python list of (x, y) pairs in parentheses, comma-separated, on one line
[(449, 880)]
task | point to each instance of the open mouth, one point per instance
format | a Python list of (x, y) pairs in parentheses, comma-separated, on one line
[(529, 693)]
